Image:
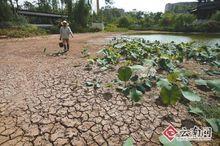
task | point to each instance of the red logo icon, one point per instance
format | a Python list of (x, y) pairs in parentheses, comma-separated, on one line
[(170, 132)]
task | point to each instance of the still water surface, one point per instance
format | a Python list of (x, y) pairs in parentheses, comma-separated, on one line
[(206, 39)]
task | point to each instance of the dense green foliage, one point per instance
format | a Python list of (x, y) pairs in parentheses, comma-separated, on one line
[(114, 28), (78, 14), (5, 11), (137, 20), (81, 17), (108, 15), (123, 22), (13, 25), (8, 15), (177, 22), (216, 16)]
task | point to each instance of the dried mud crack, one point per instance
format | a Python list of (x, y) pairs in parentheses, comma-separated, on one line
[(44, 101)]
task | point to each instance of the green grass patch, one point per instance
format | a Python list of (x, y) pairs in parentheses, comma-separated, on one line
[(114, 28)]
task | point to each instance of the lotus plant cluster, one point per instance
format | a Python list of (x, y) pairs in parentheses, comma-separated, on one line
[(142, 65)]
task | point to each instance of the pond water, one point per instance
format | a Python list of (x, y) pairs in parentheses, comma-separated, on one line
[(207, 39)]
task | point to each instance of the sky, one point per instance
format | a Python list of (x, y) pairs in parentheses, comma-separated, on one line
[(145, 5), (142, 5)]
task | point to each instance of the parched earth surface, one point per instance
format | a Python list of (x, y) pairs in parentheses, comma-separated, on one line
[(44, 100)]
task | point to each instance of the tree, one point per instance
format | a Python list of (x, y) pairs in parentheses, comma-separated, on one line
[(124, 22), (109, 2), (216, 16), (183, 21), (44, 6), (17, 6), (167, 19), (12, 6), (80, 15), (5, 11), (54, 4), (28, 6), (110, 15), (69, 8)]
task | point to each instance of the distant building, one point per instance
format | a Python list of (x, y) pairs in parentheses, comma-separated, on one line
[(203, 8), (182, 7)]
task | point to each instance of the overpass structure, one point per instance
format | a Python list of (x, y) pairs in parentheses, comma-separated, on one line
[(42, 19), (206, 8)]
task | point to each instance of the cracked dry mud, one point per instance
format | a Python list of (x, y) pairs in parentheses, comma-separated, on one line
[(44, 100)]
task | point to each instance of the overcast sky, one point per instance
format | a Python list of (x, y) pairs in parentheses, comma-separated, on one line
[(143, 5)]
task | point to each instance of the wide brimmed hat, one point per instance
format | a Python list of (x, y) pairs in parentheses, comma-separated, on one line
[(64, 22)]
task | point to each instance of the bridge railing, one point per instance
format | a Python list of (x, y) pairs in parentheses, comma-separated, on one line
[(40, 14)]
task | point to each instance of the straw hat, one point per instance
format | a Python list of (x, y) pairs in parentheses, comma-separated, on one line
[(64, 22)]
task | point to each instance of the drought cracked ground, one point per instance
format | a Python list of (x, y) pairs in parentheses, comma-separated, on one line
[(44, 100)]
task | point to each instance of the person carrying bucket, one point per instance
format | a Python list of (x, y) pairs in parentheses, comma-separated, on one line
[(65, 32)]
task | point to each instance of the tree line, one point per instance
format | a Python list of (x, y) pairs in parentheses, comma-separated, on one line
[(115, 19), (80, 16), (79, 12)]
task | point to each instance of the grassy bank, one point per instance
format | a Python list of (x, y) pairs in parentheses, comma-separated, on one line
[(22, 31)]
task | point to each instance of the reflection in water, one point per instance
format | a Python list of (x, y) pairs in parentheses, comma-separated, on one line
[(166, 38)]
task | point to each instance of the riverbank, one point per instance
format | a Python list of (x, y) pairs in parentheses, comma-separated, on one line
[(169, 32), (17, 34)]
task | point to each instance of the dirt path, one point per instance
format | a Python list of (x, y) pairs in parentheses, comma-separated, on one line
[(44, 100), (33, 47)]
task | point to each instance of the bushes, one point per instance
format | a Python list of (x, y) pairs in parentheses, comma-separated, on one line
[(209, 26), (14, 21), (177, 22), (18, 20), (94, 30), (5, 24), (166, 22), (167, 19), (53, 30), (7, 18), (114, 28), (123, 22), (79, 16), (183, 22), (5, 11), (216, 16), (23, 31), (188, 23)]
